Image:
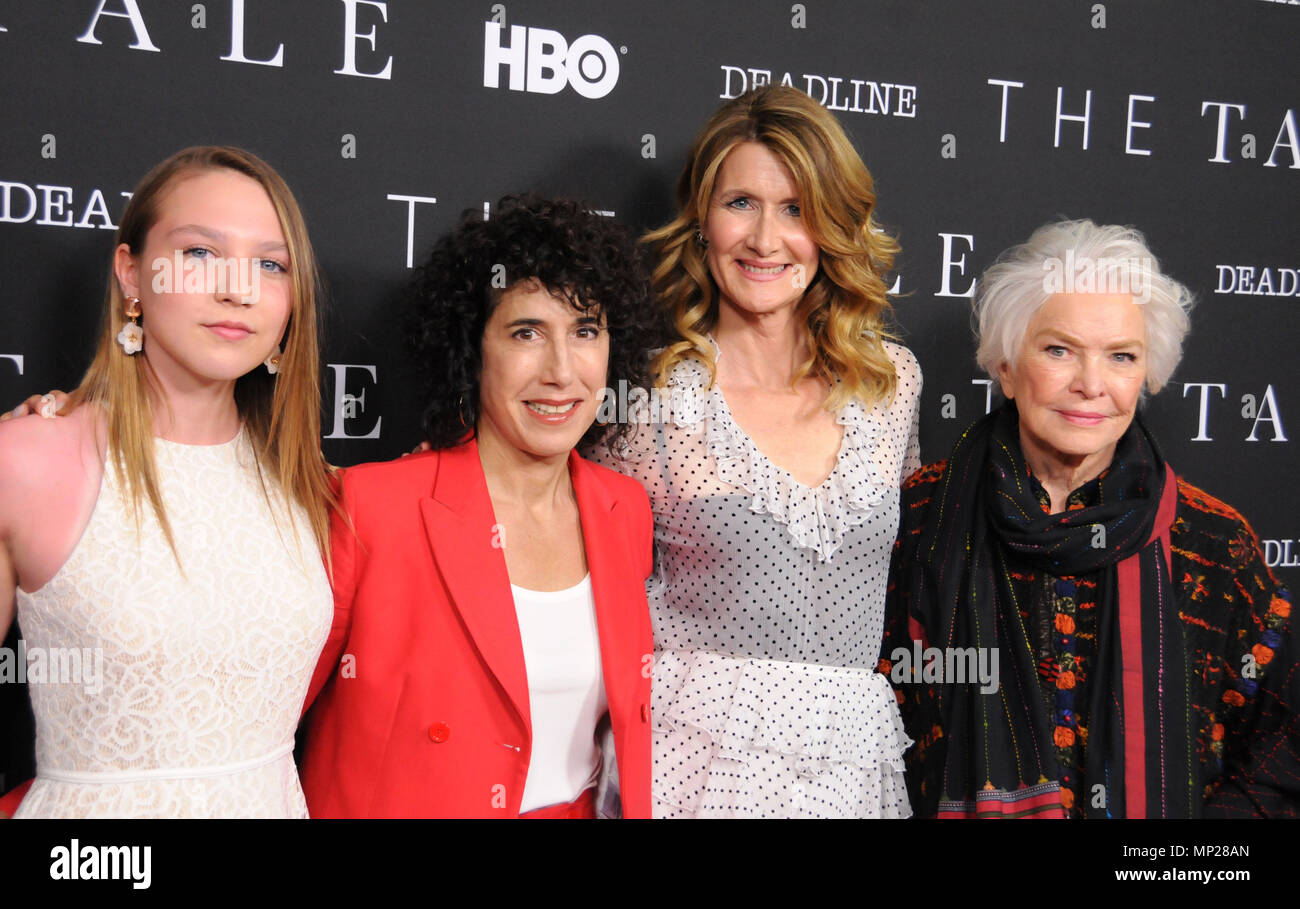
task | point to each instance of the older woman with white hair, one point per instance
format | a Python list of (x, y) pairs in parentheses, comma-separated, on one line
[(1142, 650)]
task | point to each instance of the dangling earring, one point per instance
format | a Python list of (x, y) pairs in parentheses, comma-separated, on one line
[(700, 238), (131, 337), (272, 363)]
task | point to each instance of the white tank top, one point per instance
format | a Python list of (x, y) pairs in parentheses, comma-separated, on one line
[(566, 691)]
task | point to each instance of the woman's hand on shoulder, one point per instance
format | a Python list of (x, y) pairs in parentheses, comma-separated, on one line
[(47, 405)]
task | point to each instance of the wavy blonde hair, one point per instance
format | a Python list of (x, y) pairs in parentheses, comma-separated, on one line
[(281, 413), (844, 307)]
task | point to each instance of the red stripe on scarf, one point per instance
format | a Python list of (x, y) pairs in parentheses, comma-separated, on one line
[(1129, 572)]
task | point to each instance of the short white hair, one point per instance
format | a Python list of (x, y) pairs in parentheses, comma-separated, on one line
[(1021, 281)]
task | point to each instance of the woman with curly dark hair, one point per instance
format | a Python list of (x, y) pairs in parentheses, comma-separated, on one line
[(491, 632)]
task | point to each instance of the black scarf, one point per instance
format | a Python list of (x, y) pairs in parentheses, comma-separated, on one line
[(999, 758)]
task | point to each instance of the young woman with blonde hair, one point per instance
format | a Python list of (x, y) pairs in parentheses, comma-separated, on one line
[(167, 532)]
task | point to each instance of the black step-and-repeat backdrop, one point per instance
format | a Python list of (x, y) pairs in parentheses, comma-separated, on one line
[(979, 120)]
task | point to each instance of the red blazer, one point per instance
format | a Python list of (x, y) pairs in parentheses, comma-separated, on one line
[(423, 708)]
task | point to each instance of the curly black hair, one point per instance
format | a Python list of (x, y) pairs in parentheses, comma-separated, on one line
[(587, 259)]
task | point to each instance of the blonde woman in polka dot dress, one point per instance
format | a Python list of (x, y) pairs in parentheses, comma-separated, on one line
[(773, 448)]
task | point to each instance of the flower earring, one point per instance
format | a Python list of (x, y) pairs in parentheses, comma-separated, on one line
[(131, 337), (272, 363)]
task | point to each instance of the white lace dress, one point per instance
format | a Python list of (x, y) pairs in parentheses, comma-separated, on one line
[(768, 609), (187, 686)]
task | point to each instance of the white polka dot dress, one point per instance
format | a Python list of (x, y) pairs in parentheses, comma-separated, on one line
[(768, 609)]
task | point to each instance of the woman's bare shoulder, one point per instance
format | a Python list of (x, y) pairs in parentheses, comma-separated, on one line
[(39, 453), (50, 471)]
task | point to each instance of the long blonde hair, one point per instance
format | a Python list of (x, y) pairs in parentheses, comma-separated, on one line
[(843, 309), (280, 413)]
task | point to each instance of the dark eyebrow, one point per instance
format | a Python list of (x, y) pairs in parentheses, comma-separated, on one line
[(582, 320)]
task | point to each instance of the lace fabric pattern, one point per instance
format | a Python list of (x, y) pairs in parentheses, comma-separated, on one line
[(768, 603), (204, 664)]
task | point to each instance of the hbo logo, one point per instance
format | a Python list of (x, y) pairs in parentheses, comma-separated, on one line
[(540, 60)]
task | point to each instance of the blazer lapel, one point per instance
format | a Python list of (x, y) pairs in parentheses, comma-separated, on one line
[(466, 546), (611, 573)]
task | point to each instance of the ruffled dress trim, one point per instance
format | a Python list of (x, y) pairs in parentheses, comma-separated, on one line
[(743, 737), (817, 517)]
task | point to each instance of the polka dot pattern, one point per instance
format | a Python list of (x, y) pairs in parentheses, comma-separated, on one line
[(771, 739), (768, 609)]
